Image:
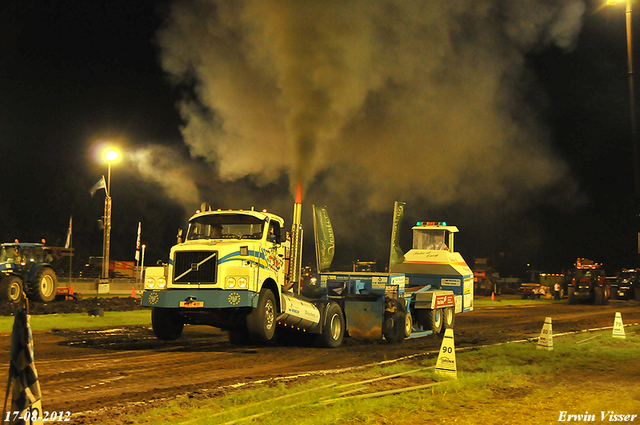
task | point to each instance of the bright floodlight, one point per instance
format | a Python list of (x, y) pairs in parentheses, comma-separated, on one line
[(111, 155)]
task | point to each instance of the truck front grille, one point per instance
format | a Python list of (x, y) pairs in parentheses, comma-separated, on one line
[(195, 267)]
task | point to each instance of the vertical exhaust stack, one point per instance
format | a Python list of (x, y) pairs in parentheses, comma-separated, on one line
[(295, 262)]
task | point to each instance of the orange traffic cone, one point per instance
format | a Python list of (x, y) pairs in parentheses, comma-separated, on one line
[(133, 292), (493, 296)]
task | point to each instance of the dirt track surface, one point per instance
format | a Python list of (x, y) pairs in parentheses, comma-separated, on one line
[(100, 374)]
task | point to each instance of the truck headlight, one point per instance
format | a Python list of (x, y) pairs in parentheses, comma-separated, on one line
[(149, 283), (242, 283), (162, 282), (230, 283)]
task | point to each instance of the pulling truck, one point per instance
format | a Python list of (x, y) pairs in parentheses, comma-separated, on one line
[(236, 270)]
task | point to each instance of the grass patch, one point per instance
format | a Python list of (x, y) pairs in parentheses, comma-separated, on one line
[(506, 384), (81, 320)]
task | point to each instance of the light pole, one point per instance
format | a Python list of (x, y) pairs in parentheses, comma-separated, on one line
[(110, 156), (632, 111), (142, 264)]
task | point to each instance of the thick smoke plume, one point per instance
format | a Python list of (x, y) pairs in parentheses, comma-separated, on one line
[(371, 101)]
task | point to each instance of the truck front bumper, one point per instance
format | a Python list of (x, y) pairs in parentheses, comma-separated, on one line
[(200, 298)]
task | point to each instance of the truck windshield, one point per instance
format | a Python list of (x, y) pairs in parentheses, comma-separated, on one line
[(429, 239), (225, 226)]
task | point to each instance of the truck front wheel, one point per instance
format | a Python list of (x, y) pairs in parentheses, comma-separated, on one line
[(166, 323), (11, 289), (261, 322), (44, 285), (332, 327)]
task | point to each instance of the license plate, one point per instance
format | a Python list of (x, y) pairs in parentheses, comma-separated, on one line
[(191, 304)]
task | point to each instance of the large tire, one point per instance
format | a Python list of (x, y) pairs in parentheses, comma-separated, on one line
[(44, 286), (614, 293), (166, 323), (394, 328), (571, 294), (11, 288), (636, 294), (598, 298), (333, 326), (449, 318), (261, 322), (430, 319)]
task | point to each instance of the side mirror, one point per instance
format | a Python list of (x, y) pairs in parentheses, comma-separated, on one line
[(179, 237)]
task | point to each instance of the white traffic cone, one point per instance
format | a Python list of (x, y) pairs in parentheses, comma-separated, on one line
[(446, 364), (545, 342), (618, 327)]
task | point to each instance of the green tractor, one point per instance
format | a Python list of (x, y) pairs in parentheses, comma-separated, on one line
[(26, 268)]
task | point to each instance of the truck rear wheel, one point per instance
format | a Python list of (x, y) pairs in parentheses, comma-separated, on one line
[(11, 289), (44, 285), (261, 322), (332, 327), (166, 323)]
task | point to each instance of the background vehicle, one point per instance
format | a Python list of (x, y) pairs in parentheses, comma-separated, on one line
[(26, 267), (589, 283), (626, 286)]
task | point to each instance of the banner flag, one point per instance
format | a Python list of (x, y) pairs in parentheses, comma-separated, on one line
[(396, 256), (26, 394), (325, 240), (102, 184), (138, 241), (67, 244)]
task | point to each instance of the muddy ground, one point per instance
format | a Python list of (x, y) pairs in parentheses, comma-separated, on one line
[(77, 305), (100, 374)]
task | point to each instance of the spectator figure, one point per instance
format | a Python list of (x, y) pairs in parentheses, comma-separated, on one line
[(556, 291)]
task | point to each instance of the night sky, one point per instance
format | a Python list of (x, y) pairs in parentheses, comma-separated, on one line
[(511, 122)]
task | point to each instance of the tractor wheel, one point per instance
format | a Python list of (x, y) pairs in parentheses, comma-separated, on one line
[(44, 286), (333, 327), (598, 298), (571, 294), (431, 319), (11, 288), (614, 293), (261, 322), (166, 323), (449, 318)]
